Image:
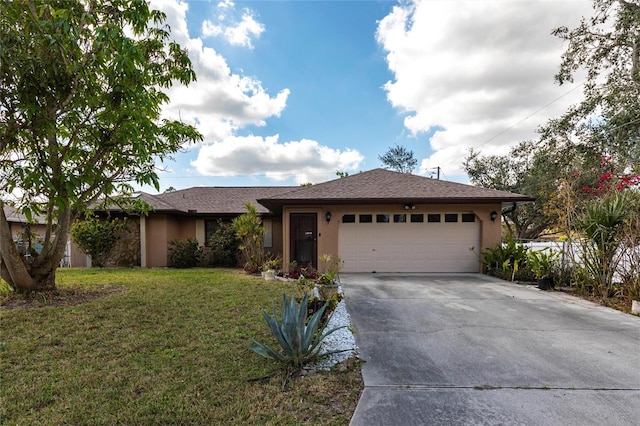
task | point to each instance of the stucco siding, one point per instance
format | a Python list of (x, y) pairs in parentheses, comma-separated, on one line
[(327, 236)]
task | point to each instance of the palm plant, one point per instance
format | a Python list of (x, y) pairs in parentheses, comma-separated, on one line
[(506, 260), (602, 223)]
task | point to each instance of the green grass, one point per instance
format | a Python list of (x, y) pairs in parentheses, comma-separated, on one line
[(169, 350)]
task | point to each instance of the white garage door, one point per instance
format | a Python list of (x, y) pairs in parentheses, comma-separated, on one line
[(437, 242)]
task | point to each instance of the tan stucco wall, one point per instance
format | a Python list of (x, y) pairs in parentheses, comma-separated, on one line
[(126, 252), (277, 235), (161, 229), (490, 232), (77, 258), (156, 244)]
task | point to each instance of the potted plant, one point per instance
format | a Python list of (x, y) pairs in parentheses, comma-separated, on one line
[(328, 282), (270, 267), (542, 264)]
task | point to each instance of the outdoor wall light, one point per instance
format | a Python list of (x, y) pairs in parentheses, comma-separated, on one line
[(493, 215), (409, 207), (328, 216)]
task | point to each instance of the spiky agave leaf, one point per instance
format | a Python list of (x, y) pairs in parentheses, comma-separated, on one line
[(299, 341), (266, 351)]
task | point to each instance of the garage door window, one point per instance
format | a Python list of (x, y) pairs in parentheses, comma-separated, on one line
[(349, 218), (417, 218), (433, 217), (451, 217), (366, 218), (382, 218), (468, 217), (413, 218)]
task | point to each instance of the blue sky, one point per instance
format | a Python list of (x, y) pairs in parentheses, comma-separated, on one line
[(292, 91)]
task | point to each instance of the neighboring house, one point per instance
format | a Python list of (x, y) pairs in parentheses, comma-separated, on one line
[(22, 230), (376, 221)]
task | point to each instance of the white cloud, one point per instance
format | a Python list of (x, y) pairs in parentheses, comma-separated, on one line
[(209, 29), (241, 33), (475, 69), (238, 31), (306, 160), (226, 4), (219, 102)]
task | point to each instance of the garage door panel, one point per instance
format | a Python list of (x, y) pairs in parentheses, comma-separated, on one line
[(409, 247)]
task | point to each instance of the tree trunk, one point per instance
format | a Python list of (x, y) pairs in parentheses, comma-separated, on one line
[(39, 273)]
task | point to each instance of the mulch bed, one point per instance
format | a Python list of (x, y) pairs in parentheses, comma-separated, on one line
[(67, 296)]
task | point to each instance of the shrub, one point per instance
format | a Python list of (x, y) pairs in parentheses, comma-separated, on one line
[(508, 261), (5, 289), (542, 262), (97, 237), (224, 245), (184, 253)]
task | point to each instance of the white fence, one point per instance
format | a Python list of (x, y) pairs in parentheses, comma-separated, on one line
[(571, 254)]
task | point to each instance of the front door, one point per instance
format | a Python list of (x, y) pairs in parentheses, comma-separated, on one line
[(304, 241)]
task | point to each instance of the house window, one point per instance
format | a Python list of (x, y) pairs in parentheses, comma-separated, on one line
[(399, 218), (468, 217), (366, 218), (349, 218), (268, 232), (451, 217), (417, 218), (382, 218), (210, 227), (433, 217)]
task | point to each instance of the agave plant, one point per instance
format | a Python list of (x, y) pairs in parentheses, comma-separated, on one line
[(299, 340)]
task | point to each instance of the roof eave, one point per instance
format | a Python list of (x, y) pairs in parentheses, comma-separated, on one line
[(272, 204)]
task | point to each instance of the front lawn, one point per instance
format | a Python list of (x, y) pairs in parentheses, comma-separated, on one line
[(170, 349)]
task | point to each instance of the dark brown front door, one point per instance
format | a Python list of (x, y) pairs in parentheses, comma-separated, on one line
[(304, 240)]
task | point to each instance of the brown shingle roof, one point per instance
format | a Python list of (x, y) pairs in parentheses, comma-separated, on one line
[(14, 215), (374, 186), (156, 202), (213, 200), (385, 186)]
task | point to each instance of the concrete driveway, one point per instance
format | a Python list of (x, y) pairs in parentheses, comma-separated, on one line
[(444, 349)]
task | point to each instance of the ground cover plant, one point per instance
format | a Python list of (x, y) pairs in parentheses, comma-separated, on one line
[(161, 347)]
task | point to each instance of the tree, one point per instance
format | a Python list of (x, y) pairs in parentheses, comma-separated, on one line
[(606, 47), (400, 159), (97, 237), (81, 90), (527, 169), (250, 231)]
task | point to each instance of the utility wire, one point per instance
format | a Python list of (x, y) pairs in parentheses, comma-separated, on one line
[(525, 118)]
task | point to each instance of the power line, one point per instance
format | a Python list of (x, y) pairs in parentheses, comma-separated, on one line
[(525, 118), (530, 115)]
